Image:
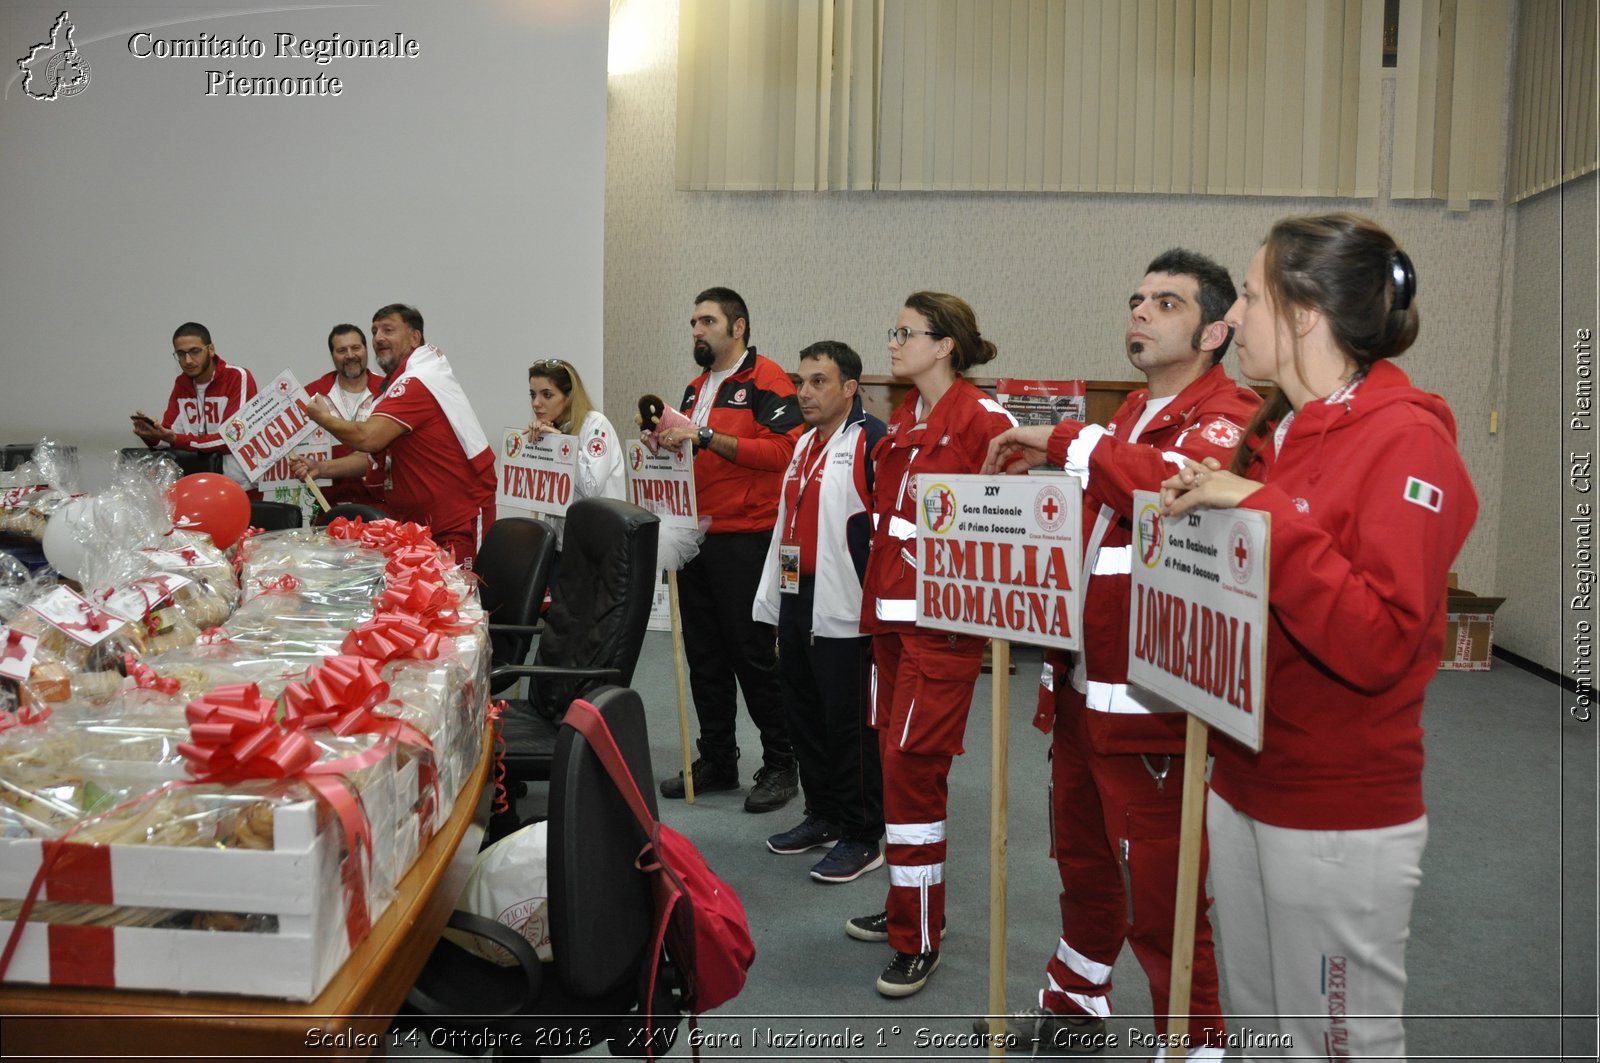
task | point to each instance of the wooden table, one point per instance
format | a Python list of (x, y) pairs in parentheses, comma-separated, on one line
[(350, 1018)]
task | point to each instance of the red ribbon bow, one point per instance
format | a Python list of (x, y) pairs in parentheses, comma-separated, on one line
[(235, 735), (339, 694), (145, 678), (390, 636)]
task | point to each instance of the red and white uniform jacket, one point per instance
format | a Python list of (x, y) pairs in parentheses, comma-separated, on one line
[(442, 470), (197, 413), (1370, 504), (843, 526), (757, 404), (599, 473), (953, 438), (1205, 419), (352, 408)]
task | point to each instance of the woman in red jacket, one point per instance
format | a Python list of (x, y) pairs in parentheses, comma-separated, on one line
[(1316, 842), (922, 680)]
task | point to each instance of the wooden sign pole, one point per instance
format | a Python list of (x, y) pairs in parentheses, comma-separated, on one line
[(1190, 839), (316, 493), (683, 695), (1000, 727)]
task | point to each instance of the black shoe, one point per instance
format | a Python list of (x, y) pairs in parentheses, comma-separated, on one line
[(1052, 1032), (813, 833), (907, 973), (848, 861), (708, 778), (876, 927), (773, 788)]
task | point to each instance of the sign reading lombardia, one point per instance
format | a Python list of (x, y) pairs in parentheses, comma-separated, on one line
[(536, 475), (1197, 625), (663, 483), (1000, 557)]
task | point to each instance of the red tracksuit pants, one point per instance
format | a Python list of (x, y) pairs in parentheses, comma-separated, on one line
[(1115, 835), (921, 693)]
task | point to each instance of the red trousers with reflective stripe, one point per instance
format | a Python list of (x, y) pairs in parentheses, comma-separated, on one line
[(922, 692), (1116, 838)]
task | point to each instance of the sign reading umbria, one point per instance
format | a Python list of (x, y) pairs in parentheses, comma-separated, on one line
[(536, 475), (268, 426), (663, 483), (1000, 556), (1197, 625)]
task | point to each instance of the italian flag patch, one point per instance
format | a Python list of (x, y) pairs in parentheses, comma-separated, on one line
[(1423, 494)]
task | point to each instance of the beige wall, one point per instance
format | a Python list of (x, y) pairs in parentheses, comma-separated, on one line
[(1048, 274)]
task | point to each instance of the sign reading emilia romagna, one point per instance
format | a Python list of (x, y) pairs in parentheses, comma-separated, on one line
[(1000, 557), (268, 426), (1197, 626), (663, 482), (536, 475)]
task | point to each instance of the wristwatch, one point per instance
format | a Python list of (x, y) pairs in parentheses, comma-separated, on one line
[(704, 440)]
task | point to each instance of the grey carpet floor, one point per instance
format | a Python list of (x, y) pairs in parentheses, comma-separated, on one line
[(1503, 947)]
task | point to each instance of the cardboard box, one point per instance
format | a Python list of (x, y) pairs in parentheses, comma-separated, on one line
[(1468, 630)]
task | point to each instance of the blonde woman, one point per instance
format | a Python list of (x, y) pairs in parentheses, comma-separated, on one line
[(561, 405)]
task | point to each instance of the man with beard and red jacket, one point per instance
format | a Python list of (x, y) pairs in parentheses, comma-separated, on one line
[(440, 463), (352, 390), (746, 420), (1116, 767), (206, 393)]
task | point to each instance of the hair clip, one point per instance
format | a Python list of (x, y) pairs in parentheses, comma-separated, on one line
[(1405, 279)]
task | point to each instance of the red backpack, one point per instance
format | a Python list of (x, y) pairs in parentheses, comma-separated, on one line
[(700, 921)]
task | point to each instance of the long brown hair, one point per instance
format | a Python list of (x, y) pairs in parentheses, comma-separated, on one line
[(570, 384), (1351, 271)]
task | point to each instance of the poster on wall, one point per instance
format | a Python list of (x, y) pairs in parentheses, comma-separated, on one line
[(1000, 557), (1197, 624), (1034, 402)]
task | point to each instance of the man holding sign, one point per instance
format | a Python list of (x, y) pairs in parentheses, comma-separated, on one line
[(1115, 765), (440, 461)]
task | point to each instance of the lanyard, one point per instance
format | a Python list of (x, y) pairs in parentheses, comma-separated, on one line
[(807, 470)]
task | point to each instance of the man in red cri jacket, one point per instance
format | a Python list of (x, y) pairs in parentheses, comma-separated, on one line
[(1115, 766)]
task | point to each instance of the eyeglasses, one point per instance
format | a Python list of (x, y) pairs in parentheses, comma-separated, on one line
[(549, 363), (186, 354), (902, 334)]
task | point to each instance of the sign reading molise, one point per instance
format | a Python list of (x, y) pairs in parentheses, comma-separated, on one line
[(663, 483), (1197, 625), (274, 482), (536, 475), (1000, 556), (268, 426)]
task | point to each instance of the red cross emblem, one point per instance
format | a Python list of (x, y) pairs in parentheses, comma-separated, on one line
[(566, 449)]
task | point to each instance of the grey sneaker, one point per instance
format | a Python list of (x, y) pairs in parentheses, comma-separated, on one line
[(1048, 1033), (907, 973), (813, 833), (848, 861), (773, 788)]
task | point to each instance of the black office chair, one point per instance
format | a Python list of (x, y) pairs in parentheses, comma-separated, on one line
[(17, 453), (350, 511), (513, 569), (275, 516), (189, 462), (592, 633), (602, 917)]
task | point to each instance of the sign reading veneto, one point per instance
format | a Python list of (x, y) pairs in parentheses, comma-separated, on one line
[(1197, 625), (663, 483), (1000, 557), (536, 475), (268, 426)]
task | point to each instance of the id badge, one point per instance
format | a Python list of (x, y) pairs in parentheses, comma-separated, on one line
[(789, 568)]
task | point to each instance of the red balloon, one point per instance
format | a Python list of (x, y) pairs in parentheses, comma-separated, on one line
[(210, 503)]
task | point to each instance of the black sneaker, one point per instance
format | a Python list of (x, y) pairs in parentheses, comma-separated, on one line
[(848, 861), (876, 927), (907, 973), (773, 788), (813, 833), (708, 778), (1051, 1032)]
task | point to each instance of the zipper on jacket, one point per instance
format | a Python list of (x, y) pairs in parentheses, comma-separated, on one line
[(1127, 880)]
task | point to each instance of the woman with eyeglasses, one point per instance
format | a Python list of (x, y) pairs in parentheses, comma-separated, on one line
[(922, 680), (1316, 842), (561, 405)]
